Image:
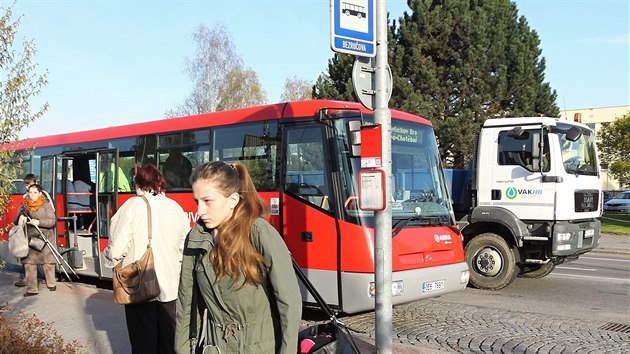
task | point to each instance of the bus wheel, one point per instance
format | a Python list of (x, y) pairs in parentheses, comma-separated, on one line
[(491, 262), (537, 271)]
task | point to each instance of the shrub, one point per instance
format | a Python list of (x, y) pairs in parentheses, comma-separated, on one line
[(21, 334)]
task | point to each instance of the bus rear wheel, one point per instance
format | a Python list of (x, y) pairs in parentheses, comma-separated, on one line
[(537, 271), (491, 262)]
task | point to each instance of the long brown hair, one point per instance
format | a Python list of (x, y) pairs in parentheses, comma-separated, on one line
[(234, 253)]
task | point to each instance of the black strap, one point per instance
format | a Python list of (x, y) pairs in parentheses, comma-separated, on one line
[(333, 316), (311, 289)]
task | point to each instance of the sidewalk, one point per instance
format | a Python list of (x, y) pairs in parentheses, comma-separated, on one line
[(76, 311), (89, 315)]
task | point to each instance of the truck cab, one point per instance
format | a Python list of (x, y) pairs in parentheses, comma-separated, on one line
[(534, 199)]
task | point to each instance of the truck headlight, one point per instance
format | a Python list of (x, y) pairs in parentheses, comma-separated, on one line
[(564, 236), (564, 247)]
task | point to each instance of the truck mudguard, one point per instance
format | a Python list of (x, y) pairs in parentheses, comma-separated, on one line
[(500, 216)]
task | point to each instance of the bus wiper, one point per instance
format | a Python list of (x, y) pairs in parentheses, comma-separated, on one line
[(427, 220)]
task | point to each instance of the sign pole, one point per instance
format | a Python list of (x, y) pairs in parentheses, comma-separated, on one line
[(383, 227), (357, 27)]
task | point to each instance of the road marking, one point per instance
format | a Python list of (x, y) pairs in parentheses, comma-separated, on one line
[(606, 259), (621, 280), (573, 268)]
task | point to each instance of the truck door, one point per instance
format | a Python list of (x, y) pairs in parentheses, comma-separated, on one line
[(516, 177)]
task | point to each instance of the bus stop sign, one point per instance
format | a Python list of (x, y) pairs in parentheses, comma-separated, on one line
[(352, 25)]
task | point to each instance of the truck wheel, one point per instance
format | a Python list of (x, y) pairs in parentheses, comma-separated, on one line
[(537, 271), (491, 262)]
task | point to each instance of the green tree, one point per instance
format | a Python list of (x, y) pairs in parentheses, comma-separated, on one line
[(336, 83), (614, 147), (457, 63), (20, 83), (219, 79)]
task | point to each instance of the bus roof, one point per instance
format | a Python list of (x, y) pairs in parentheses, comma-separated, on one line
[(250, 114)]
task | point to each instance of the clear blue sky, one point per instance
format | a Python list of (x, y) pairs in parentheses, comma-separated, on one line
[(113, 62)]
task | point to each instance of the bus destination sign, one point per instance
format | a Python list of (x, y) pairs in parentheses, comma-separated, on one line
[(352, 25)]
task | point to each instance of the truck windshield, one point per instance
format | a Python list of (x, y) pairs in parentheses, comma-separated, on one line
[(578, 156), (418, 186)]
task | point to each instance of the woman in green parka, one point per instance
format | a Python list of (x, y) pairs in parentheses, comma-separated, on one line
[(241, 268)]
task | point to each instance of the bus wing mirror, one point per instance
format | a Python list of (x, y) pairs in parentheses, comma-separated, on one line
[(354, 137)]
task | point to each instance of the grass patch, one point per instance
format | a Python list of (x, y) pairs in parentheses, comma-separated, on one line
[(616, 224)]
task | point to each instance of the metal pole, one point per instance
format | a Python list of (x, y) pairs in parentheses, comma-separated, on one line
[(383, 227)]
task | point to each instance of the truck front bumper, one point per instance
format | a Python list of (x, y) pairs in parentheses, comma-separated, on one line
[(575, 238)]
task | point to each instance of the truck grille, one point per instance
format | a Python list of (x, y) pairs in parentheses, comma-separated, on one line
[(586, 200)]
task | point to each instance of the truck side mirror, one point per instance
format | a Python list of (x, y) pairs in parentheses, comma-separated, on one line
[(536, 151), (573, 134), (515, 132)]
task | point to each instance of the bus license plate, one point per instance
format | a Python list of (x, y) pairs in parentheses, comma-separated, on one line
[(433, 285)]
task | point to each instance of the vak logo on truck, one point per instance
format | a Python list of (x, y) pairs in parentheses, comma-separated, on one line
[(513, 192)]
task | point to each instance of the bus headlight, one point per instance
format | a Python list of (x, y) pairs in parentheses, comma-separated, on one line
[(464, 277), (398, 288)]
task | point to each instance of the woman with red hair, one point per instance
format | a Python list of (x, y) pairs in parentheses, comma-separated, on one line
[(151, 325)]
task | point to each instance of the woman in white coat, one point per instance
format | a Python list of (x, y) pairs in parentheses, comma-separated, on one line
[(151, 325)]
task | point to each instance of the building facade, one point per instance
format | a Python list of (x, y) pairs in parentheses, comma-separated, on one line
[(596, 118)]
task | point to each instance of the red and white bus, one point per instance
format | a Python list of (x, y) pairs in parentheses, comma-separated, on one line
[(299, 155)]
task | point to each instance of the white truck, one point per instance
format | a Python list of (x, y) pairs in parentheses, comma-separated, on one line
[(530, 200)]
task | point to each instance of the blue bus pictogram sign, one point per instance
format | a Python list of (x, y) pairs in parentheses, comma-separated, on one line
[(352, 25)]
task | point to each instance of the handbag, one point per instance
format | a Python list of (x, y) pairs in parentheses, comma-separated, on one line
[(18, 241), (325, 338), (36, 242), (137, 282)]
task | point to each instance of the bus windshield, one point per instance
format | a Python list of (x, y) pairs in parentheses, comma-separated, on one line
[(578, 156), (419, 192)]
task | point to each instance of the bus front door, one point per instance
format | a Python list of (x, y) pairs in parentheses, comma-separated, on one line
[(309, 226), (77, 211), (108, 183)]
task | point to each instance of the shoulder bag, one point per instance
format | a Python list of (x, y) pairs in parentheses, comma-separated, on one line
[(137, 282), (18, 240)]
